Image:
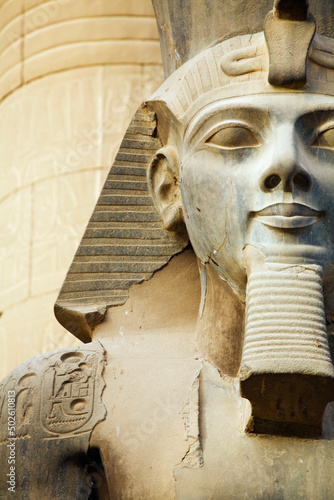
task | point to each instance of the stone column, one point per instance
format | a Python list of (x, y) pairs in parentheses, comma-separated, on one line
[(72, 74)]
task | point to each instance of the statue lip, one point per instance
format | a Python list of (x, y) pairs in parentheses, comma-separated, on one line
[(289, 210), (288, 215)]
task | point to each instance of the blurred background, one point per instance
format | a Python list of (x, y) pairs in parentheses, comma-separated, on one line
[(72, 74)]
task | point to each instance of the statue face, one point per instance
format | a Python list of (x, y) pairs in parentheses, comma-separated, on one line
[(259, 170)]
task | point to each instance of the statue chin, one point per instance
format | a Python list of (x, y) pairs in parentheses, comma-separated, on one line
[(309, 242), (232, 267)]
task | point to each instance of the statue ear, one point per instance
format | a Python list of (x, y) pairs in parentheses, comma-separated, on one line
[(164, 185)]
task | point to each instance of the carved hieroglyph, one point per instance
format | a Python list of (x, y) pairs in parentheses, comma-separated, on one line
[(57, 405)]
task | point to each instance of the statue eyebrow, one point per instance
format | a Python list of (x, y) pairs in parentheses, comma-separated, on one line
[(322, 117), (253, 111)]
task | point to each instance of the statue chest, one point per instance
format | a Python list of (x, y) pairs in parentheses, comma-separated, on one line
[(174, 430)]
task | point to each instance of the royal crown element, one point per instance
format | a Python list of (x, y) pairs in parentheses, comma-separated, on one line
[(289, 31), (188, 27)]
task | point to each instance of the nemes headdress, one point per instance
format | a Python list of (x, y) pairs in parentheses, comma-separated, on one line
[(210, 50)]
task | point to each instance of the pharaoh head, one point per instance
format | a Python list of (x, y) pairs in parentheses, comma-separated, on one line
[(250, 149), (235, 151)]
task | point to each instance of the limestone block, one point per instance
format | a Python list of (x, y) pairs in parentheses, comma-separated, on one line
[(39, 13), (53, 136), (88, 32), (9, 10), (15, 235), (90, 29), (10, 32), (30, 4), (88, 53), (10, 56), (57, 35), (11, 21), (80, 123), (10, 172), (10, 62), (11, 80)]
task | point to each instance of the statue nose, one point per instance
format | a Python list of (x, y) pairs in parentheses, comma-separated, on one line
[(301, 180), (286, 171)]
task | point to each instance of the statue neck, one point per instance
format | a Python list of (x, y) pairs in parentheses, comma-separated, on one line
[(220, 325)]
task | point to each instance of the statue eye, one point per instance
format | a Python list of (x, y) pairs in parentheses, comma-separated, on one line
[(233, 137), (325, 139)]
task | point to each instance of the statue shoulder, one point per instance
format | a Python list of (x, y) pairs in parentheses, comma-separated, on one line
[(57, 393), (49, 407)]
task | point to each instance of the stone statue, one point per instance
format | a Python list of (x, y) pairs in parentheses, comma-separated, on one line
[(208, 384)]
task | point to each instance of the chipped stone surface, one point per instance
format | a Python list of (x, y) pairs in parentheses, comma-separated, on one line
[(191, 415), (236, 465)]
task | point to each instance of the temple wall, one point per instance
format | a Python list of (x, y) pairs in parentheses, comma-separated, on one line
[(72, 74)]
